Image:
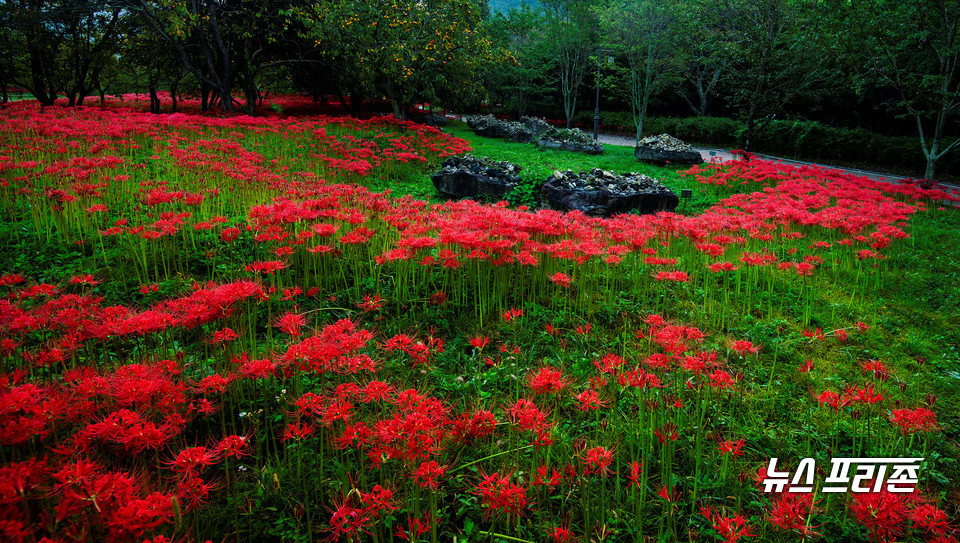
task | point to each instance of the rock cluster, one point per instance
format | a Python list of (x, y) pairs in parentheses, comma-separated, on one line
[(602, 193), (472, 177), (569, 140), (666, 148), (491, 127)]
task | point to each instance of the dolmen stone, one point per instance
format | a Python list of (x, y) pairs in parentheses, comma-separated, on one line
[(491, 127), (478, 178), (666, 148), (569, 140), (601, 193), (437, 120), (536, 125)]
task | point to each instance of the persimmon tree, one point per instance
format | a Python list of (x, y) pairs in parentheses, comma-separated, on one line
[(405, 50)]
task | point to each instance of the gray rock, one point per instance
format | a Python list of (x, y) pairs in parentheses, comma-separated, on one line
[(603, 194), (665, 149), (471, 177)]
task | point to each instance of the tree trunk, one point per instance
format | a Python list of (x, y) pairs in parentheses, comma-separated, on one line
[(154, 100), (174, 86), (204, 95)]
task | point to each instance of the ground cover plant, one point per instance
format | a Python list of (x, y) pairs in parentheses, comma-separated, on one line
[(214, 329)]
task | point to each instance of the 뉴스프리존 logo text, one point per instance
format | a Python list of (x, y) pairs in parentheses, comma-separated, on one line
[(869, 475)]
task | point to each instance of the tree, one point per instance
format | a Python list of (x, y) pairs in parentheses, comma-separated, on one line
[(646, 34), (705, 34), (913, 48), (408, 50), (571, 38), (519, 32), (780, 53)]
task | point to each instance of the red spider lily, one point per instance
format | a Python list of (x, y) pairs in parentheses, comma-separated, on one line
[(561, 279), (297, 431), (667, 431), (234, 446), (609, 363), (584, 329), (379, 500), (792, 511), (883, 513), (732, 529), (290, 323), (636, 470), (730, 447), (806, 367), (371, 303), (744, 347), (512, 314), (427, 474), (864, 395), (720, 267), (911, 421), (669, 495), (138, 516), (214, 384), (931, 519), (526, 415), (479, 342), (563, 534), (268, 267), (831, 398), (502, 497), (190, 462), (877, 367), (224, 336), (597, 461), (540, 477), (547, 380), (415, 528), (589, 400), (83, 280), (675, 276), (347, 519)]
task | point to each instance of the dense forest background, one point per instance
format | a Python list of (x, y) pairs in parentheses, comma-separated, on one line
[(873, 82)]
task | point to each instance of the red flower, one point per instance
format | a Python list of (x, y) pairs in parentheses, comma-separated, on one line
[(547, 380), (883, 513), (561, 279), (916, 420), (598, 460)]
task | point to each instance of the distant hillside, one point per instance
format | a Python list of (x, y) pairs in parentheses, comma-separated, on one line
[(504, 6)]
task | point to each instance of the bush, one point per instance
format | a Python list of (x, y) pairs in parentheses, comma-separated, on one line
[(806, 140)]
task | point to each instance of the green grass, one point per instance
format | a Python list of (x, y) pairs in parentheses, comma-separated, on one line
[(538, 164)]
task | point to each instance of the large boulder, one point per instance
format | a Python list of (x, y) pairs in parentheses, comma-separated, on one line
[(569, 140), (479, 178), (438, 120), (664, 149), (603, 194), (491, 127), (536, 125)]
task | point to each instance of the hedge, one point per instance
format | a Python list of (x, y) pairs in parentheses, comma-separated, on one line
[(807, 140)]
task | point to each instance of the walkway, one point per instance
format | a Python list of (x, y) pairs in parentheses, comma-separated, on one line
[(724, 155)]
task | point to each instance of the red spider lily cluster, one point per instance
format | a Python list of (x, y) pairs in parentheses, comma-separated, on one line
[(253, 351)]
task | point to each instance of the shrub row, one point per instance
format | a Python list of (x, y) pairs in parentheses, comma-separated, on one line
[(806, 140)]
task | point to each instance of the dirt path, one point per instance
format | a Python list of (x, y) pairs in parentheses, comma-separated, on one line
[(724, 155)]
